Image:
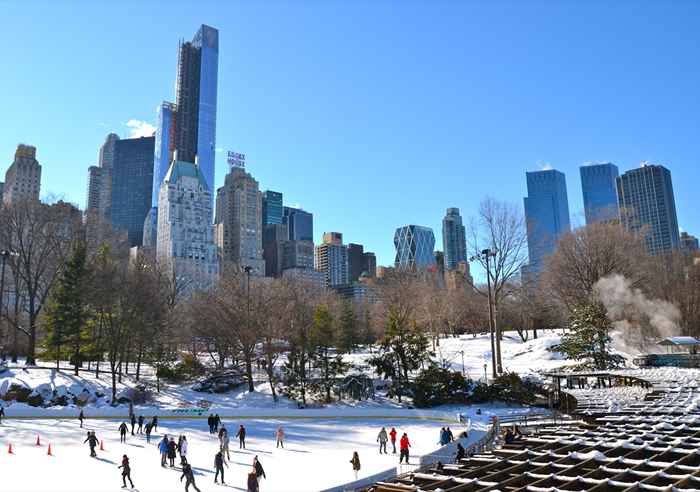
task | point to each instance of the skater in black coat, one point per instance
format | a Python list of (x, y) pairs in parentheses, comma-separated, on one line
[(140, 429), (148, 432), (172, 452), (189, 475), (133, 423), (219, 467), (259, 470), (122, 432), (126, 471), (210, 423), (92, 442), (241, 437), (2, 413), (81, 417), (154, 423)]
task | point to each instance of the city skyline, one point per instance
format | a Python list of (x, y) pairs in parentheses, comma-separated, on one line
[(286, 165)]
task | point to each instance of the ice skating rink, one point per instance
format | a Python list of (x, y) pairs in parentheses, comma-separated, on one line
[(316, 454)]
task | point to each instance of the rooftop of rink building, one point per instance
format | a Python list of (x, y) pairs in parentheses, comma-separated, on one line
[(629, 430)]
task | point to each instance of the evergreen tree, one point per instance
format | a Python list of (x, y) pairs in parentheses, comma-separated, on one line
[(349, 336), (588, 339), (325, 358), (403, 349), (65, 318)]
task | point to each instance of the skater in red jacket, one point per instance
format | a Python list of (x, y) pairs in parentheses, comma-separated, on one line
[(404, 445), (392, 435)]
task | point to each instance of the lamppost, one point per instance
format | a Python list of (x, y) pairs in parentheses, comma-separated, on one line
[(486, 378), (463, 373), (485, 255), (247, 270), (5, 254)]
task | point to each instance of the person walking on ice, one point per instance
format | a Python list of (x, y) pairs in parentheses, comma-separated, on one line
[(392, 434), (163, 449), (189, 475), (154, 423), (355, 461), (404, 444), (140, 429), (126, 471), (182, 449), (219, 467), (241, 437), (92, 442), (258, 468), (225, 440), (280, 437), (148, 433), (382, 439), (2, 413), (133, 423), (172, 452), (81, 417), (122, 432)]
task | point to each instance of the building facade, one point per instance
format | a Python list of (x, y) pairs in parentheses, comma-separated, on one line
[(94, 190), (414, 248), (132, 178), (185, 235), (369, 264), (274, 236), (272, 207), (297, 254), (23, 177), (454, 239), (689, 244), (239, 221), (647, 205), (546, 215), (598, 184), (356, 260), (300, 224), (331, 258)]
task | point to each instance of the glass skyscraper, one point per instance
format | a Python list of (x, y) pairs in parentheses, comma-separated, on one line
[(414, 247), (162, 156), (546, 214), (600, 192), (647, 205), (132, 179), (454, 241), (272, 207), (300, 224)]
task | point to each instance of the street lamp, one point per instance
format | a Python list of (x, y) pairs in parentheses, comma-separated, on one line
[(247, 269), (4, 254), (485, 255), (486, 378)]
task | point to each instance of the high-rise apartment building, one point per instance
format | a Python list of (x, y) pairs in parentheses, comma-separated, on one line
[(689, 244), (598, 184), (239, 221), (331, 258), (356, 257), (647, 204), (164, 146), (185, 234), (274, 236), (300, 224), (272, 207), (23, 177), (369, 264), (414, 247), (94, 189), (454, 239), (132, 178), (105, 162), (546, 215), (297, 254)]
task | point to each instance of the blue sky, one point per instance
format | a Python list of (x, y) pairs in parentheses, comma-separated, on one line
[(370, 114)]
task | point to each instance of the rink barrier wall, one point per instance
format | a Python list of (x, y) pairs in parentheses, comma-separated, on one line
[(363, 483), (148, 415)]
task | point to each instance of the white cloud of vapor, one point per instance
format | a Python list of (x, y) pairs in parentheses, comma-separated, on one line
[(138, 128)]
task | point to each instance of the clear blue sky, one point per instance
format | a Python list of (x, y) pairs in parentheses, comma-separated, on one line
[(370, 114)]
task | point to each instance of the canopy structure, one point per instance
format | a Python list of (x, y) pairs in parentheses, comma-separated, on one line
[(679, 341)]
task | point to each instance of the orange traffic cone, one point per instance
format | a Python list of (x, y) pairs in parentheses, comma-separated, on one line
[(9, 449), (38, 441), (49, 451), (102, 445)]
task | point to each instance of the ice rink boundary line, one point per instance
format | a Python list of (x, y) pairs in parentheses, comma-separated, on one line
[(243, 417)]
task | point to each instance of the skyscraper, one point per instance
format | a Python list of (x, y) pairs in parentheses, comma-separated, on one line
[(689, 244), (546, 215), (239, 221), (94, 189), (164, 146), (132, 178), (102, 188), (331, 258), (600, 192), (185, 234), (454, 240), (356, 253), (414, 247), (369, 264), (300, 224), (272, 207), (23, 177), (645, 197), (274, 236)]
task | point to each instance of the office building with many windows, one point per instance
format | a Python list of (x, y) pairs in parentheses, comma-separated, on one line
[(414, 248), (598, 184), (331, 258), (23, 177), (454, 239), (300, 224), (272, 207)]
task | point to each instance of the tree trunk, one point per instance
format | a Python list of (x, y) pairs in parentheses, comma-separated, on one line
[(31, 347), (249, 370)]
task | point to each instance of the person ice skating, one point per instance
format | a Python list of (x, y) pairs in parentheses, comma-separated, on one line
[(210, 423), (140, 429), (382, 439), (252, 485), (219, 467), (133, 423), (222, 432), (81, 417), (404, 444), (225, 441), (172, 452), (154, 423), (122, 432), (92, 442), (241, 437), (258, 468), (189, 475), (280, 437), (163, 449), (148, 433), (126, 471), (444, 437), (461, 453), (182, 449), (217, 422), (355, 461), (392, 435), (450, 435), (2, 413)]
